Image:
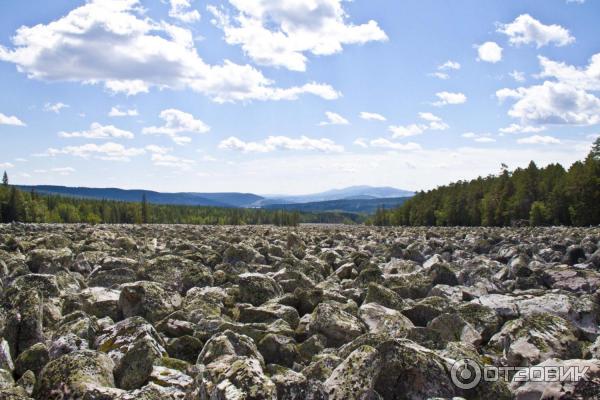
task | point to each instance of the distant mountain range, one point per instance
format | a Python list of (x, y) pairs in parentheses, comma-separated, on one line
[(356, 199)]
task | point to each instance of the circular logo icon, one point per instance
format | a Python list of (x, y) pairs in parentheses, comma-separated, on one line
[(466, 374)]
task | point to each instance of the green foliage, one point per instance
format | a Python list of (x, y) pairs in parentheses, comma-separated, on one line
[(543, 196), (17, 205), (5, 179)]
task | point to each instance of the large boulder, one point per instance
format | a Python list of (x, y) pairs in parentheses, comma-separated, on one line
[(177, 273), (338, 326), (75, 374), (148, 300), (380, 319), (256, 288)]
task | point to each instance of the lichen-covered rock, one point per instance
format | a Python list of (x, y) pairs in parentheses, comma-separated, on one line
[(587, 388), (76, 373), (147, 300), (118, 339), (383, 296), (338, 326), (530, 340), (355, 375), (229, 343), (34, 359), (279, 349), (135, 367), (177, 273), (256, 289), (380, 319)]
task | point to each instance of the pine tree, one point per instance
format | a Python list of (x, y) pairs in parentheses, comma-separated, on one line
[(144, 209), (595, 153), (5, 179)]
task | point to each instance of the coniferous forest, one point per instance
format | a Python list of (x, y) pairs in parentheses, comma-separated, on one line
[(532, 195), (21, 206)]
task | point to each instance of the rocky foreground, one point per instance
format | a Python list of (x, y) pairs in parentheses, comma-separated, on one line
[(182, 312)]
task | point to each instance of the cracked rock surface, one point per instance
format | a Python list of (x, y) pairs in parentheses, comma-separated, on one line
[(317, 312)]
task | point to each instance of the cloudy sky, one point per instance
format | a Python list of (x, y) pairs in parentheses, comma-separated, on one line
[(293, 96)]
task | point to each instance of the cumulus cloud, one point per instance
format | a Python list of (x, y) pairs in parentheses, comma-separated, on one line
[(552, 103), (334, 119), (142, 53), (537, 139), (49, 107), (449, 65), (180, 9), (440, 75), (433, 122), (274, 143), (387, 144), (516, 128), (446, 98), (108, 151), (171, 161), (369, 116), (479, 137), (10, 120), (587, 78), (489, 52), (518, 76), (526, 30), (6, 165), (279, 33), (117, 112), (177, 122), (98, 131), (361, 142)]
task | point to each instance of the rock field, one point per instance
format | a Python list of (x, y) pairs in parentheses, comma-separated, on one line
[(318, 312)]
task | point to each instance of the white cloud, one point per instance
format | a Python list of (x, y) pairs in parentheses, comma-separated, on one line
[(479, 137), (10, 120), (155, 149), (552, 103), (180, 9), (449, 65), (369, 116), (427, 116), (48, 107), (387, 144), (489, 52), (107, 151), (587, 78), (6, 165), (171, 161), (98, 131), (274, 143), (525, 30), (177, 122), (64, 171), (518, 76), (408, 130), (334, 119), (361, 142), (440, 75), (117, 112), (516, 128), (143, 54), (435, 123), (446, 98), (537, 139), (279, 33)]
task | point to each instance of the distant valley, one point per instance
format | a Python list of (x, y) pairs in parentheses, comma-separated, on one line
[(355, 199)]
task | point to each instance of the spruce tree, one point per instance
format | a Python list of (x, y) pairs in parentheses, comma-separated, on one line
[(144, 209), (5, 179)]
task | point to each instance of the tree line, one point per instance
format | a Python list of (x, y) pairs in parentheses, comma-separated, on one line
[(533, 196), (29, 206)]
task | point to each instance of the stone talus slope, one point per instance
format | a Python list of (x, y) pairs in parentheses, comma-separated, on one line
[(318, 312)]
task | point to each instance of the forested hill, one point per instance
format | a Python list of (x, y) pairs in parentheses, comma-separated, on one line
[(538, 196)]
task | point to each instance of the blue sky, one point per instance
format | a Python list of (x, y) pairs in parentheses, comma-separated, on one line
[(291, 96)]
